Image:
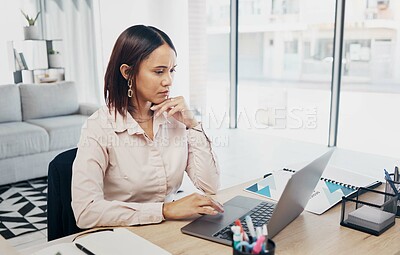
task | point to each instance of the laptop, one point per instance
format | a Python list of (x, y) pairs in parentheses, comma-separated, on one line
[(277, 216)]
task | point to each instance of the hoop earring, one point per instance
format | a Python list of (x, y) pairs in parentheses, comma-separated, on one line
[(130, 91)]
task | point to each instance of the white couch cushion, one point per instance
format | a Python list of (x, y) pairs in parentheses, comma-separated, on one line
[(64, 131), (10, 103), (48, 100), (20, 138)]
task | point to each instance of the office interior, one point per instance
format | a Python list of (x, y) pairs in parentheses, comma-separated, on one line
[(274, 84)]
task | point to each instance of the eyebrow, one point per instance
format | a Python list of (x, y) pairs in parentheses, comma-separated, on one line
[(164, 66)]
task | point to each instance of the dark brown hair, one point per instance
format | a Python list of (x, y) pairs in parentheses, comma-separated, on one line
[(133, 46)]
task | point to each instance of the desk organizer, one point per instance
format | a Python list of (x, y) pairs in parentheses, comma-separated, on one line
[(389, 189), (270, 250), (369, 210)]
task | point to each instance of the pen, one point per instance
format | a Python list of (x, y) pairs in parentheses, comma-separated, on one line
[(258, 246), (258, 232), (236, 235), (265, 234), (251, 227), (245, 237), (265, 231), (80, 247)]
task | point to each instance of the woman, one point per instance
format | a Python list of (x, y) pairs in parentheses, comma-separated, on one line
[(133, 152)]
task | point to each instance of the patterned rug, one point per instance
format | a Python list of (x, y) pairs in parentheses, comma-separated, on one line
[(23, 207)]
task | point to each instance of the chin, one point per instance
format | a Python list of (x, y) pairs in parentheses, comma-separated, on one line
[(158, 101)]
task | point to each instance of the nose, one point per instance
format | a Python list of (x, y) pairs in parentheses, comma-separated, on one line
[(167, 81)]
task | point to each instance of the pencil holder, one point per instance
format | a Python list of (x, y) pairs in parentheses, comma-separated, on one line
[(389, 189), (369, 210), (270, 250)]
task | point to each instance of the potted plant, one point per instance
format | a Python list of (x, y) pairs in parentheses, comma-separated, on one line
[(55, 59), (31, 32)]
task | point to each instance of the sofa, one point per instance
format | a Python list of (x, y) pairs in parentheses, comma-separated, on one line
[(37, 122)]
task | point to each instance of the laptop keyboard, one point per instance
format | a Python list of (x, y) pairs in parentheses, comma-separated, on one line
[(260, 215)]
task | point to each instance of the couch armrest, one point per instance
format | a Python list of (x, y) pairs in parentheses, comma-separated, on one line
[(88, 109)]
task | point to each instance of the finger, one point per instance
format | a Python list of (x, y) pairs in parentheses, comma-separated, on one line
[(218, 205), (175, 110), (207, 210), (158, 106), (208, 201), (169, 105)]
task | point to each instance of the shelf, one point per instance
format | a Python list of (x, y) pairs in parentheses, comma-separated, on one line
[(29, 59)]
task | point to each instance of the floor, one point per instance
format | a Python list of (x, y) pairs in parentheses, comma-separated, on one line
[(245, 155), (23, 209)]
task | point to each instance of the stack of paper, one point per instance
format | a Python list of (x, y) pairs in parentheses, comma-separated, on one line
[(371, 218)]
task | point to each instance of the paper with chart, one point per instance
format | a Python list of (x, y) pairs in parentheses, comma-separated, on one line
[(334, 184)]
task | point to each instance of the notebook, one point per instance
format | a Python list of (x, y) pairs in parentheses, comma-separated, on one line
[(333, 185), (119, 241)]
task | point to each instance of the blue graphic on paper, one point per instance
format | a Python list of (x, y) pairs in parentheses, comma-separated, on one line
[(264, 186), (331, 194), (333, 187)]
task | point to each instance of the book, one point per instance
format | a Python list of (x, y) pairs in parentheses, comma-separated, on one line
[(333, 185), (12, 63), (22, 58), (119, 241), (18, 62), (371, 218)]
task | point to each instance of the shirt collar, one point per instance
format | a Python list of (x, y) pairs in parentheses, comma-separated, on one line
[(119, 124)]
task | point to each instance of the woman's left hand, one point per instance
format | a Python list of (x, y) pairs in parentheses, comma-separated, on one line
[(177, 108)]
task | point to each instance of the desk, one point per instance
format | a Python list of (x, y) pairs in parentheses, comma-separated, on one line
[(6, 248), (308, 234)]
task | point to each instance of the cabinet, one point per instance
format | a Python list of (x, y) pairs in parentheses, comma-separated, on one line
[(31, 61)]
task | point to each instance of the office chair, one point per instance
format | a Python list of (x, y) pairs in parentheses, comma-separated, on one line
[(60, 217)]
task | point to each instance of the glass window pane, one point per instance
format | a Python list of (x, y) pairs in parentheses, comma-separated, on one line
[(285, 65), (370, 100), (217, 65)]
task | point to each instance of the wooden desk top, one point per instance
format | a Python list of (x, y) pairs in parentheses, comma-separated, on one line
[(6, 248), (308, 234)]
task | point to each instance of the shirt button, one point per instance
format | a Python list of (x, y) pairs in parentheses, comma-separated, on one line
[(125, 177)]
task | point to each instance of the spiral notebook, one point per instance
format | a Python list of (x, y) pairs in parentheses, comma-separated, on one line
[(335, 183)]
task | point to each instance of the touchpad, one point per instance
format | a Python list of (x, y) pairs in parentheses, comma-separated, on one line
[(231, 213)]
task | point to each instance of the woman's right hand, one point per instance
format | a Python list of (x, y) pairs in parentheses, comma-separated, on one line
[(191, 205)]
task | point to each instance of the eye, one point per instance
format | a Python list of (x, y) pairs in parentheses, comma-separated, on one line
[(159, 71), (173, 70)]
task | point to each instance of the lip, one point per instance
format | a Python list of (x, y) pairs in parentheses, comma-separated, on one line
[(164, 93)]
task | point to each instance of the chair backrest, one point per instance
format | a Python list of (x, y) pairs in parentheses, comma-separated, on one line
[(60, 217)]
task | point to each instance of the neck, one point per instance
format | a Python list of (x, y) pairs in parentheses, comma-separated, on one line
[(141, 110)]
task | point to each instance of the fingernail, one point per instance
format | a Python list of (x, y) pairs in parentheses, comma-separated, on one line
[(152, 108)]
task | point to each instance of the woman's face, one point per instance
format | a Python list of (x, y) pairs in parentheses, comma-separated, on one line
[(155, 76)]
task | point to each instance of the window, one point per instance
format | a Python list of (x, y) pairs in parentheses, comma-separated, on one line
[(216, 113), (284, 77), (370, 96)]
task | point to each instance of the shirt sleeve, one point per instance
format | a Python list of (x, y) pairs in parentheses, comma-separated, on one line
[(88, 203), (202, 165)]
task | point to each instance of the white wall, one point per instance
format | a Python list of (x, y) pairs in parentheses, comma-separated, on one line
[(169, 16)]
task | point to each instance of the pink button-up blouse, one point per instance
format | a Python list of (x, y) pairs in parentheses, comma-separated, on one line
[(121, 177)]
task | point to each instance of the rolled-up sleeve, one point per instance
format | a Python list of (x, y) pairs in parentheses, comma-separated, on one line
[(202, 165), (88, 203)]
